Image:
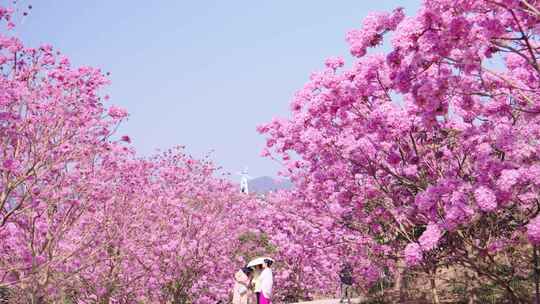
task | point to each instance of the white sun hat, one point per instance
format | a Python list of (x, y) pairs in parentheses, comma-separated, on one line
[(258, 261)]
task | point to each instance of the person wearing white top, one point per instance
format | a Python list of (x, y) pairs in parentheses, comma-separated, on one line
[(256, 282), (266, 280)]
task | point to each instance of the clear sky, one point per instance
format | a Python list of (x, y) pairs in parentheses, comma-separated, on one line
[(201, 73)]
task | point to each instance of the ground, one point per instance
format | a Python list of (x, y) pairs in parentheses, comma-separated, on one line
[(330, 301)]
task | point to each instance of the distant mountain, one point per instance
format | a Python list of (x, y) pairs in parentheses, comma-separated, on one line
[(264, 184)]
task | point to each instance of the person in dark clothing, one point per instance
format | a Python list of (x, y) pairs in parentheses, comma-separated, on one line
[(345, 276)]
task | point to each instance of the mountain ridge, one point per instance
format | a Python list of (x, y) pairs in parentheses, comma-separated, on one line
[(264, 184)]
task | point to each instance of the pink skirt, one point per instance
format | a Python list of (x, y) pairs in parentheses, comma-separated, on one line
[(263, 300)]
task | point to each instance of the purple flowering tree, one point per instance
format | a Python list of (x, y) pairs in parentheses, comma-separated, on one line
[(435, 140)]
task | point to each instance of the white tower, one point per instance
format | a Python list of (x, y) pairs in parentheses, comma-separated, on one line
[(244, 181)]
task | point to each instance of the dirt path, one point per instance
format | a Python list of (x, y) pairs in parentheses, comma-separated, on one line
[(331, 301)]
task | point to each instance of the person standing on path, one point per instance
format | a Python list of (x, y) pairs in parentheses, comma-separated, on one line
[(242, 278), (345, 276), (256, 282), (267, 281)]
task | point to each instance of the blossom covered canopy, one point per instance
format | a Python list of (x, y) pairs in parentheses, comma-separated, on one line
[(432, 133)]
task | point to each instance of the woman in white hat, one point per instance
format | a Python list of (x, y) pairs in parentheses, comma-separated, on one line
[(266, 279), (262, 265)]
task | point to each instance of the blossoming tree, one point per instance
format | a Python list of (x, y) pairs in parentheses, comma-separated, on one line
[(311, 247), (435, 140), (82, 218)]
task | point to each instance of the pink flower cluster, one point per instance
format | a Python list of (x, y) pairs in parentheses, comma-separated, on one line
[(375, 25), (117, 112), (413, 254), (533, 230), (485, 198), (429, 239)]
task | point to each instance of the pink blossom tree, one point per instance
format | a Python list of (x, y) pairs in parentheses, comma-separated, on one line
[(54, 134), (311, 246), (81, 216), (433, 140), (171, 229)]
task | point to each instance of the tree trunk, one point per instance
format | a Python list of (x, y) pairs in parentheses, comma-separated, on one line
[(471, 286), (536, 275), (434, 295), (400, 285)]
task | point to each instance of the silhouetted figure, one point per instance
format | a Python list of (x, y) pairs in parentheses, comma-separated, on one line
[(345, 276)]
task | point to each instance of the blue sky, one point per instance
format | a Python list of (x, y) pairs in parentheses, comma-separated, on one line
[(202, 74)]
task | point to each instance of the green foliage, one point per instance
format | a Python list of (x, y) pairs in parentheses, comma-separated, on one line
[(254, 244)]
